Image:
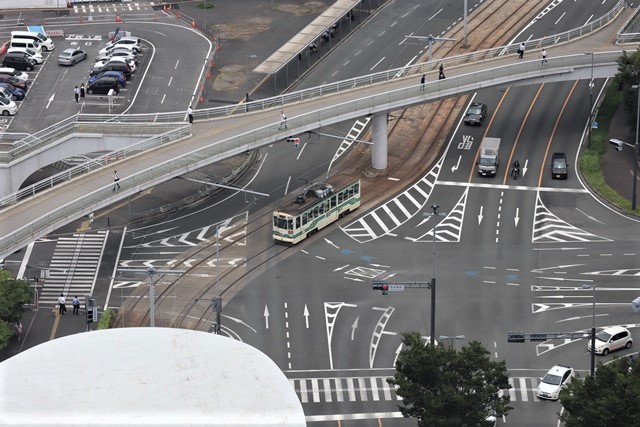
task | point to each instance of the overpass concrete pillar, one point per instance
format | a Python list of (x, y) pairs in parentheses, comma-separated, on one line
[(379, 152)]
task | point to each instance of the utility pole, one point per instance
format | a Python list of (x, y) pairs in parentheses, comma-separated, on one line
[(435, 213)]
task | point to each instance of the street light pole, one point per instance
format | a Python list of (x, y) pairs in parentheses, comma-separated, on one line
[(635, 155), (464, 43), (590, 103), (593, 328), (433, 274)]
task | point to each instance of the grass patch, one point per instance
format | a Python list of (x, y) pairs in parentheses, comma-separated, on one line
[(105, 319), (591, 158), (205, 5)]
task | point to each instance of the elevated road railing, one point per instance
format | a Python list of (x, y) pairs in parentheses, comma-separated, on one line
[(171, 132), (251, 131)]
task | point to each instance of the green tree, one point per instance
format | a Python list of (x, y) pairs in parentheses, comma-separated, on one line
[(629, 75), (441, 386), (14, 294), (610, 398)]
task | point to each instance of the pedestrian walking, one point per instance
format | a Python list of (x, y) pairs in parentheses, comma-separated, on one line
[(283, 121), (632, 361), (82, 90), (190, 114), (62, 308), (441, 73), (521, 51), (19, 331), (423, 82), (116, 178), (544, 57), (76, 305), (76, 93)]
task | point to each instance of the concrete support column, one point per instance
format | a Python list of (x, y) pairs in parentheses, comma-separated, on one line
[(379, 151)]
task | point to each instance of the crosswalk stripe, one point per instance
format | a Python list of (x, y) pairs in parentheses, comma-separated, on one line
[(352, 390), (374, 389), (362, 388), (303, 391), (315, 390), (523, 390), (339, 389), (326, 384)]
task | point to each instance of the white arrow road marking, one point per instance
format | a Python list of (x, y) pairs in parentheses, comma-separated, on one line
[(239, 321), (341, 268), (306, 316), (517, 217), (50, 101), (331, 243), (524, 169), (266, 316), (423, 221), (480, 216), (455, 167), (380, 265), (354, 279), (353, 327), (398, 350), (149, 263)]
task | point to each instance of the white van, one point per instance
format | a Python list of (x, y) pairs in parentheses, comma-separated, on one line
[(30, 53), (26, 43), (46, 42)]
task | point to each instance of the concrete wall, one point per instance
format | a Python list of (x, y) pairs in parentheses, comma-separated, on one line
[(12, 175)]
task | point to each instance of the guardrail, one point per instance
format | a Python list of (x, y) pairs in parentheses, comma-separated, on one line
[(179, 131), (335, 113), (622, 38)]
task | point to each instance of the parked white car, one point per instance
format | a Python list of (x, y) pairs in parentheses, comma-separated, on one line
[(611, 339)]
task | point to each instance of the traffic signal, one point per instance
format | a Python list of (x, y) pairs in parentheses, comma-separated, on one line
[(537, 337), (515, 337), (91, 310), (294, 141), (378, 286)]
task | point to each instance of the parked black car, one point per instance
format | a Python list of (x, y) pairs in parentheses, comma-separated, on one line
[(19, 61), (112, 66), (103, 85)]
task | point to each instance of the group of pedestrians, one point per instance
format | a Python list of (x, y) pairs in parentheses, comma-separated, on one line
[(62, 307), (543, 54), (423, 79), (78, 92)]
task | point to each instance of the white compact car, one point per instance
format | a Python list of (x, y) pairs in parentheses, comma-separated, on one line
[(611, 339), (557, 377)]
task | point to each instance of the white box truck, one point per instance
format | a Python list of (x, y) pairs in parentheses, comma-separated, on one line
[(488, 160)]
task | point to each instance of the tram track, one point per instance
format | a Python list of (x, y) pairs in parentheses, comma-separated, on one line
[(196, 308)]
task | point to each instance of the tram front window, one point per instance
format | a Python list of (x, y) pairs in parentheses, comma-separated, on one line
[(279, 222)]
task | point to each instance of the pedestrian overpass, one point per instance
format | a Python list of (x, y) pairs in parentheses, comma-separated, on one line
[(227, 131)]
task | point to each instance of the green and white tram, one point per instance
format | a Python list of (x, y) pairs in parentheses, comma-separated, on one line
[(318, 206)]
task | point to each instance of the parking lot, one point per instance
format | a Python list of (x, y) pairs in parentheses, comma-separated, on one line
[(165, 78)]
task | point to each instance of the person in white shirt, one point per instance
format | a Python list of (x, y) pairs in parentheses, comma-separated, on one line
[(283, 121), (62, 309), (190, 114)]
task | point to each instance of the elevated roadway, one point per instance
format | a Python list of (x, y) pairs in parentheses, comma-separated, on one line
[(239, 130)]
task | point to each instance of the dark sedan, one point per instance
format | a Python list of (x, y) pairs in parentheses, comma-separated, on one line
[(5, 78), (16, 93), (475, 114)]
